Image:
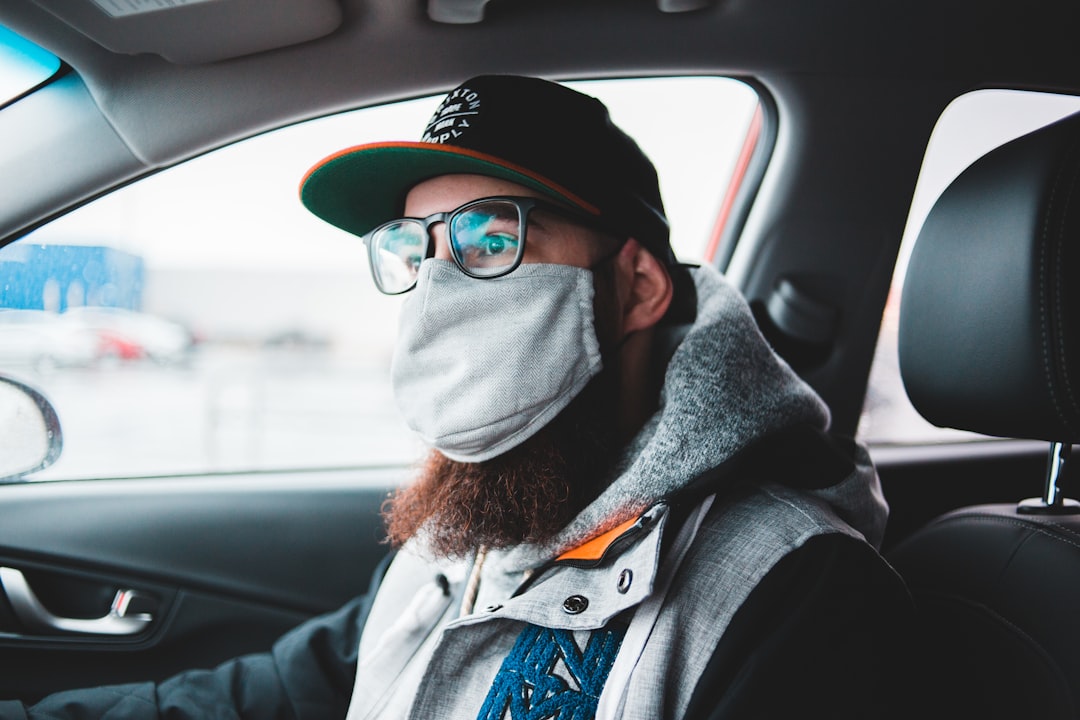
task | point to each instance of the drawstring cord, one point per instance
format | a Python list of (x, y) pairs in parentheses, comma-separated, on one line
[(468, 603)]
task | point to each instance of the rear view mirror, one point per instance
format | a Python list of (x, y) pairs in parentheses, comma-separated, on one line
[(30, 438)]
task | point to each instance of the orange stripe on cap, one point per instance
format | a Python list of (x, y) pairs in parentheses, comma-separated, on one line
[(594, 549), (454, 150)]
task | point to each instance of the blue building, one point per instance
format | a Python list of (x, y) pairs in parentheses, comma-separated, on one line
[(56, 277)]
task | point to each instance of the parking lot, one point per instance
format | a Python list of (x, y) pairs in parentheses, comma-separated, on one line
[(227, 409)]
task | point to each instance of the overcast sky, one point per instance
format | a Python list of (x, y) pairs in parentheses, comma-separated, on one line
[(240, 205)]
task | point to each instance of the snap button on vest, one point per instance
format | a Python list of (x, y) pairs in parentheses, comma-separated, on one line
[(625, 578), (575, 604)]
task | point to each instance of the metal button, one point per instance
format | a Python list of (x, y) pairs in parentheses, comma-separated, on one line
[(625, 578), (493, 608), (575, 604)]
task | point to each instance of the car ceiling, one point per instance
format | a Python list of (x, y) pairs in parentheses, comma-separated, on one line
[(370, 51), (857, 85)]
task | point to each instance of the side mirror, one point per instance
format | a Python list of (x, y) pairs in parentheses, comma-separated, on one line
[(30, 438)]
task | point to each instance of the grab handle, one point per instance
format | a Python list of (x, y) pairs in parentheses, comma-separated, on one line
[(35, 616)]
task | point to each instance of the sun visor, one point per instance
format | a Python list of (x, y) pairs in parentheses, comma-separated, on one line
[(190, 32)]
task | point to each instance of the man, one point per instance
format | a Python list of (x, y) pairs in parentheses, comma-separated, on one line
[(631, 509)]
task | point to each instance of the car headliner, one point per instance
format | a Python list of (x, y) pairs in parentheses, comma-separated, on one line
[(857, 88)]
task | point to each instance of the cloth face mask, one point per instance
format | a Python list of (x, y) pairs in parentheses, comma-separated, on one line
[(480, 366)]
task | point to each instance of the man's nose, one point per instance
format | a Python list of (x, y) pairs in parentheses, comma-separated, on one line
[(442, 245)]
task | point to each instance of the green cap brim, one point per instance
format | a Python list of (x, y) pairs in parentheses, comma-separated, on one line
[(359, 188)]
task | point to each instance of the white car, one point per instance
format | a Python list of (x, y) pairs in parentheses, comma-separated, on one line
[(141, 334), (37, 339)]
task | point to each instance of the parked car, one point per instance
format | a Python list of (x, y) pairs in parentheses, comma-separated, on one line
[(135, 335), (801, 144), (37, 339)]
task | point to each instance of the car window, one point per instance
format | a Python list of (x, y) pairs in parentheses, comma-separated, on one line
[(23, 65), (201, 320), (971, 126)]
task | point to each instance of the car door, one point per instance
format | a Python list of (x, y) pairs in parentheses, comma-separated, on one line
[(121, 580)]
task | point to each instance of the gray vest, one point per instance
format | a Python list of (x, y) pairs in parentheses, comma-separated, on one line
[(553, 644)]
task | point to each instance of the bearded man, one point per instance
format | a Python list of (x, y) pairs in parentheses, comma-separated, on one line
[(632, 507)]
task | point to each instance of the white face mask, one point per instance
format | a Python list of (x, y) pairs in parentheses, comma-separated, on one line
[(481, 366)]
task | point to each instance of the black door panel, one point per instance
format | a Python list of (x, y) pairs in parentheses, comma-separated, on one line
[(221, 565), (199, 632)]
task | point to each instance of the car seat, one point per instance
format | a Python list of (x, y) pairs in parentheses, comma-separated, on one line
[(989, 341)]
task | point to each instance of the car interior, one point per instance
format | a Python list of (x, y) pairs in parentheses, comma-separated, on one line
[(836, 178)]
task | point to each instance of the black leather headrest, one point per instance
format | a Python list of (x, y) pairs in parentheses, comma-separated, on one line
[(990, 314)]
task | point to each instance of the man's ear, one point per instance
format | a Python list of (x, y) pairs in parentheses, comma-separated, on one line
[(648, 287)]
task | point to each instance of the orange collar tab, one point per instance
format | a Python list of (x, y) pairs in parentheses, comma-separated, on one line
[(594, 549)]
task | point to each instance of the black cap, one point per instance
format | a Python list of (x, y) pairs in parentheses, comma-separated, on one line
[(534, 132)]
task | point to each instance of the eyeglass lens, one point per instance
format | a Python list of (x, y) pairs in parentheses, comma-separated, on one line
[(485, 241), (397, 249)]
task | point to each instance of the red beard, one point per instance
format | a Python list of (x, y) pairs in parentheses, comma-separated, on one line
[(531, 492), (526, 495)]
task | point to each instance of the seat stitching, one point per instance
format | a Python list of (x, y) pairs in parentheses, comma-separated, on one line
[(1039, 528), (1044, 321), (1059, 269), (1029, 533)]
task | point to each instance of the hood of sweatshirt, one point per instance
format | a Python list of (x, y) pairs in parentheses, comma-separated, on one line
[(724, 388)]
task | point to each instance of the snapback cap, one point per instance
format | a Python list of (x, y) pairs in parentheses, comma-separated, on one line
[(534, 132)]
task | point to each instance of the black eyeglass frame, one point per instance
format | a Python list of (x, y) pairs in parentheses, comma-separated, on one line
[(524, 205)]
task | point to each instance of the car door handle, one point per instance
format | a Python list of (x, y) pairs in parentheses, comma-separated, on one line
[(35, 616)]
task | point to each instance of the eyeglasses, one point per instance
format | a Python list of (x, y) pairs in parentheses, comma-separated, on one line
[(486, 239)]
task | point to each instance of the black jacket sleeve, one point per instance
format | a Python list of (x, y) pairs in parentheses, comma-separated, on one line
[(824, 635), (308, 674)]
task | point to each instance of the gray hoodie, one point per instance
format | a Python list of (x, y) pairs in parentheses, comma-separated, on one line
[(625, 626)]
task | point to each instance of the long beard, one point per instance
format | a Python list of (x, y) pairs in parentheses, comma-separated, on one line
[(526, 495), (531, 492)]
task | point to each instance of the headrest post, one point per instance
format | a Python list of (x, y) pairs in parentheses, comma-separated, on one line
[(1055, 464), (1052, 502)]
